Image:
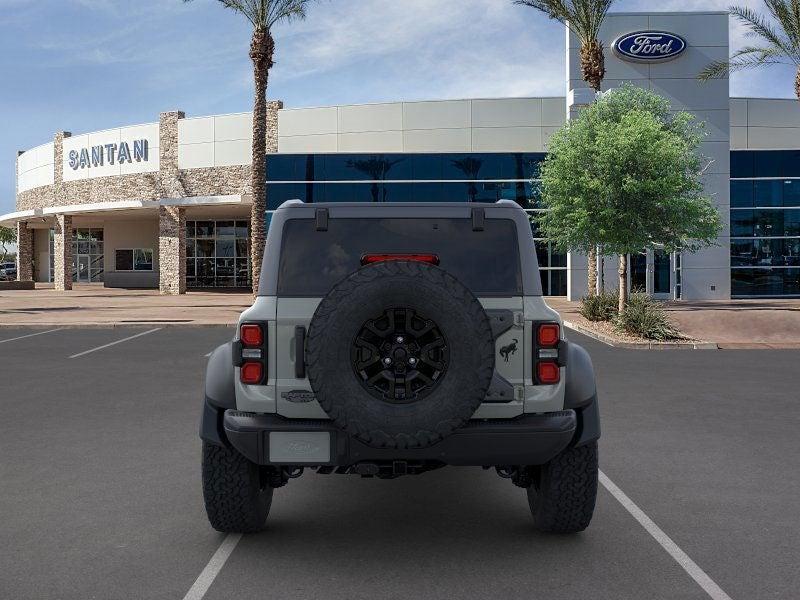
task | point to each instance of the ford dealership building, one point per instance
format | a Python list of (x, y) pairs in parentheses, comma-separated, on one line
[(166, 204)]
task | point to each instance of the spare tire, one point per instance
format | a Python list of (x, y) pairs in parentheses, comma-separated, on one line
[(400, 354)]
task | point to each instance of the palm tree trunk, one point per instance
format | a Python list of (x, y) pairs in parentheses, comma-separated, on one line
[(593, 70), (797, 84), (623, 282), (261, 51)]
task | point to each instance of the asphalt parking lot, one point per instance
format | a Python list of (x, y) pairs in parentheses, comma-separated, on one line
[(100, 489)]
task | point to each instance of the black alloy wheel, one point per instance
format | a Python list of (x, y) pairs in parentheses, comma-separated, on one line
[(400, 356)]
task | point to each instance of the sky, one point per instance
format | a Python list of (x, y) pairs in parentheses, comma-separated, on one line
[(86, 65)]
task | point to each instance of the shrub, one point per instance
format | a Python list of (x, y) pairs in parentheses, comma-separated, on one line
[(645, 317), (602, 307)]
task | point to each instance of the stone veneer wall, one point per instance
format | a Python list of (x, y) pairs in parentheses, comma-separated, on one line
[(24, 252), (62, 250)]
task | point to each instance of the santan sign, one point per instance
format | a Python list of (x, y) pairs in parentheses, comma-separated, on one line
[(649, 46), (97, 156)]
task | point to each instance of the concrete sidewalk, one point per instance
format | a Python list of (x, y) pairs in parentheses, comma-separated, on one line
[(731, 324), (94, 305)]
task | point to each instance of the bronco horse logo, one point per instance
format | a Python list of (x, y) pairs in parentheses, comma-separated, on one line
[(506, 351)]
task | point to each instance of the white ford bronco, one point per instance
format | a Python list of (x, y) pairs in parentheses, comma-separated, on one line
[(395, 339)]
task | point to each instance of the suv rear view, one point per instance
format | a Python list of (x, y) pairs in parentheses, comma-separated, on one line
[(391, 340)]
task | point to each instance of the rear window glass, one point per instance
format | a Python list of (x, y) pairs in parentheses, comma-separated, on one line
[(312, 261)]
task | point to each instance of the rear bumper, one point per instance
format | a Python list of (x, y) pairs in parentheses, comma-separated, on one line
[(527, 440)]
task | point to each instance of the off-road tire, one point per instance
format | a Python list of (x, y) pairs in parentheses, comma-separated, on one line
[(563, 493), (236, 492), (431, 291)]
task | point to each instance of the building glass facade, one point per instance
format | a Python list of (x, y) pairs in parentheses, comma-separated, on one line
[(428, 177), (765, 223), (218, 254)]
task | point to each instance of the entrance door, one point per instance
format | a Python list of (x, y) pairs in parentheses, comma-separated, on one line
[(83, 268), (638, 267), (662, 269), (650, 272)]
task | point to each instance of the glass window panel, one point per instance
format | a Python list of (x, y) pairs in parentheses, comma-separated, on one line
[(97, 234), (741, 194), (226, 228), (284, 167), (768, 193), (190, 267), (742, 163), (791, 192), (742, 223), (189, 247), (531, 165), (558, 282), (242, 229), (204, 229), (464, 166), (765, 282), (205, 248), (242, 271), (123, 260), (455, 192), (143, 260), (427, 192), (242, 248), (398, 192), (278, 193), (225, 267), (426, 166), (544, 275), (83, 247), (768, 163), (790, 165), (190, 229), (768, 222), (542, 254), (557, 259), (226, 248), (484, 261), (791, 222)]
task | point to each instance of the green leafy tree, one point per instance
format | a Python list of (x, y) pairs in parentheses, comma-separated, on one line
[(7, 236), (584, 19), (626, 175), (263, 15), (778, 40)]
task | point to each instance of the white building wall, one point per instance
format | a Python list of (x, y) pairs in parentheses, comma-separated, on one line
[(35, 167), (765, 124), (481, 125), (706, 275), (215, 141)]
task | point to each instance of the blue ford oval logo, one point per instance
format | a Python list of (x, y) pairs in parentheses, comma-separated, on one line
[(649, 46)]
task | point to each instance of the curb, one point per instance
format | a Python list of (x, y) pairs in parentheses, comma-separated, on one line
[(641, 345)]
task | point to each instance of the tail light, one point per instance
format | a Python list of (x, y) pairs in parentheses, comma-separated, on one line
[(250, 353), (369, 259), (547, 353)]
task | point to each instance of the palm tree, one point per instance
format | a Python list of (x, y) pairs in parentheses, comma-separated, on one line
[(262, 15), (780, 41), (584, 19)]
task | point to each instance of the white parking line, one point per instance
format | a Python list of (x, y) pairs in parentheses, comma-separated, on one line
[(22, 337), (214, 566), (115, 343), (695, 572)]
